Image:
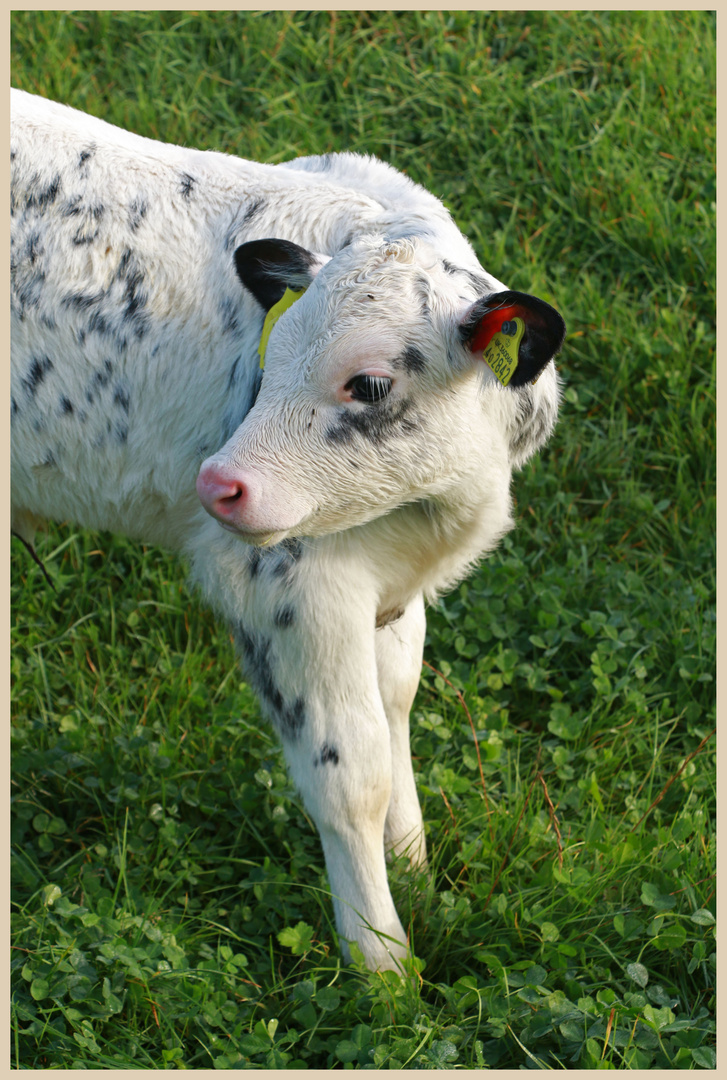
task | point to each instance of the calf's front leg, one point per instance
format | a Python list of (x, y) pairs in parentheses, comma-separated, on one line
[(307, 645), (340, 757), (342, 767)]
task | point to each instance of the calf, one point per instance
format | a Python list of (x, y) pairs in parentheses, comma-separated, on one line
[(364, 470)]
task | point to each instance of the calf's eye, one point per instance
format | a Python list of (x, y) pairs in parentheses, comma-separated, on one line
[(368, 388)]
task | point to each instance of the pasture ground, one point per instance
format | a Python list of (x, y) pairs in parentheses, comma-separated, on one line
[(169, 894)]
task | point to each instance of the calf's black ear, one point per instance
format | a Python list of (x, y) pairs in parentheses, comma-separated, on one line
[(543, 332), (268, 267)]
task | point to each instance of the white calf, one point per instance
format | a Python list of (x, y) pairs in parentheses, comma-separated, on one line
[(366, 469)]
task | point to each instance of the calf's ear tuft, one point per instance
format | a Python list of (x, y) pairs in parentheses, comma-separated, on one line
[(543, 334), (268, 267)]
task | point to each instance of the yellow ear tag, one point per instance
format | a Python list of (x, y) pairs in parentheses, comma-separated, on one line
[(287, 300), (502, 352)]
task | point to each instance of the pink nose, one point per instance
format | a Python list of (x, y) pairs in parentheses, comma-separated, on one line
[(221, 495)]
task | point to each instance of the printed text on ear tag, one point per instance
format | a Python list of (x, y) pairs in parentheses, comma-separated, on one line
[(287, 300), (502, 352)]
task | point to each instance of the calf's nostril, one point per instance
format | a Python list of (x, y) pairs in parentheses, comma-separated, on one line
[(220, 495), (226, 501)]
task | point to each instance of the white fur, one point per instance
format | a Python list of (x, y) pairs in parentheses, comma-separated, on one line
[(134, 352)]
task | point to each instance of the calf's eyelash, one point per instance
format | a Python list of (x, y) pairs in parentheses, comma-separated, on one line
[(370, 389)]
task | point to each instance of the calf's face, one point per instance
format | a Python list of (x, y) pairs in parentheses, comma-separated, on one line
[(372, 395)]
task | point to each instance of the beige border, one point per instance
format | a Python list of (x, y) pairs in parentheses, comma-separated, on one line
[(180, 5)]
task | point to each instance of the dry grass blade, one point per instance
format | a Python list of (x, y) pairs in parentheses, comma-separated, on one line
[(463, 703), (671, 779), (554, 819)]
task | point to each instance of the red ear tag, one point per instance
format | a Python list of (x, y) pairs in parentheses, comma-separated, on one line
[(491, 324), (501, 354)]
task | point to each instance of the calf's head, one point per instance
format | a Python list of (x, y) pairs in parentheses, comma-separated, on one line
[(375, 392)]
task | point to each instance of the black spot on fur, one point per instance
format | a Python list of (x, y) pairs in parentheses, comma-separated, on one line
[(232, 235), (412, 360), (121, 397), (121, 433), (293, 548), (329, 755), (99, 381), (27, 293), (119, 311), (13, 407), (32, 247), (253, 210), (49, 460), (228, 312), (241, 221), (137, 212), (376, 423), (85, 156), (135, 297), (27, 274), (289, 717), (278, 561), (44, 196), (89, 230), (72, 208), (97, 324), (292, 719), (186, 185), (287, 554), (285, 617), (82, 301), (66, 406), (39, 368), (82, 237), (424, 293), (479, 282), (102, 377)]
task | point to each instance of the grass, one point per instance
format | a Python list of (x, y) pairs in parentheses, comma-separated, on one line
[(169, 893)]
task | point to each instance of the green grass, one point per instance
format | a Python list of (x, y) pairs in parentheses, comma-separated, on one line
[(169, 892)]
